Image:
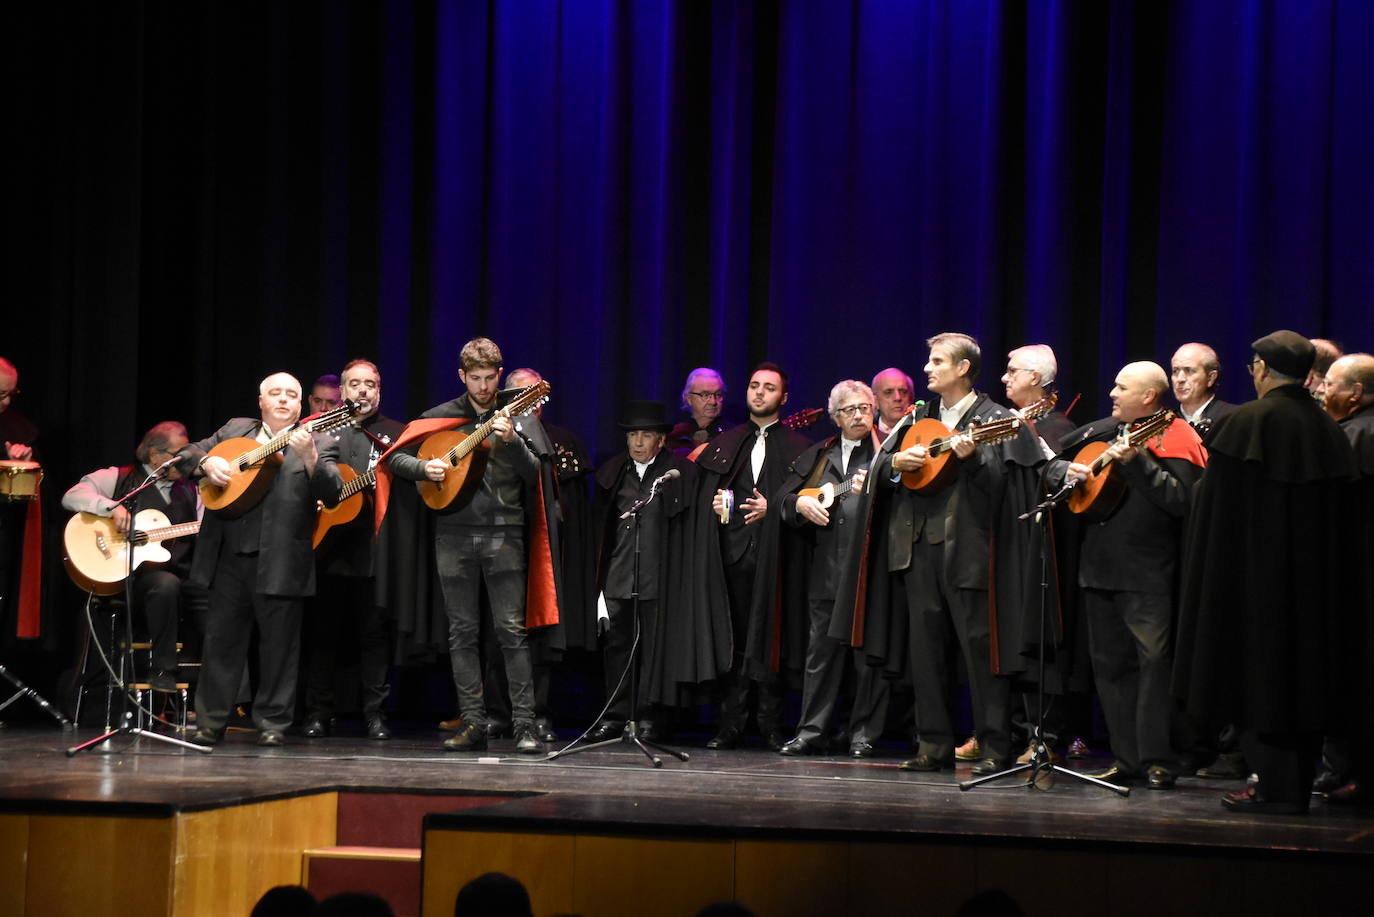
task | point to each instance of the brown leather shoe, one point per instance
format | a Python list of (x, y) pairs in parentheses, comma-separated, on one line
[(471, 737), (972, 750)]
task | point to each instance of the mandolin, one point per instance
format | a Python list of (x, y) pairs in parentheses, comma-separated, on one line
[(1097, 496), (939, 469), (466, 453), (829, 492), (253, 465), (96, 552)]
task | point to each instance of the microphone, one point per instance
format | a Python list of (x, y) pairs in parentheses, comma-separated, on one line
[(166, 466), (667, 476)]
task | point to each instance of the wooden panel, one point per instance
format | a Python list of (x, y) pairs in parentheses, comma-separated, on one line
[(780, 877), (97, 866), (543, 862), (906, 878), (617, 876), (1038, 879), (14, 855), (226, 858)]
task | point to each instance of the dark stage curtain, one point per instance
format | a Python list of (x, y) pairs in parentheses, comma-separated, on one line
[(198, 194)]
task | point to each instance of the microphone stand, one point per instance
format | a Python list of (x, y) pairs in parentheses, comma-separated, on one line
[(126, 662), (1040, 763), (631, 733)]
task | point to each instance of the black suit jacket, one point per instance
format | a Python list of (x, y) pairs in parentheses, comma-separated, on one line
[(285, 515)]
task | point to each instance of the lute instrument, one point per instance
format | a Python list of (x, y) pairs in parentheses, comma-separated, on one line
[(253, 465), (96, 552), (940, 467), (466, 453), (1097, 496), (828, 493)]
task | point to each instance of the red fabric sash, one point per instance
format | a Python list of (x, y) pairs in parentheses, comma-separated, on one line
[(414, 430), (30, 617), (1180, 441)]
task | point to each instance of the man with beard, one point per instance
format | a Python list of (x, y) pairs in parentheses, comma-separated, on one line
[(834, 462), (938, 553), (1266, 622), (346, 597), (157, 587), (1127, 571), (893, 392), (1348, 396), (703, 396), (259, 565), (484, 542), (1195, 369), (739, 469), (621, 483)]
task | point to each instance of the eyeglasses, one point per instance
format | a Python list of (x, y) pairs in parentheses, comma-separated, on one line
[(852, 409), (709, 396), (1018, 369), (1253, 363)]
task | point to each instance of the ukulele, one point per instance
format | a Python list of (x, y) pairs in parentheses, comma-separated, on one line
[(96, 552), (1097, 496), (466, 453), (939, 469), (829, 492), (253, 465)]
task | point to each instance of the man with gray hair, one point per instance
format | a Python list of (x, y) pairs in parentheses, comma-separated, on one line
[(158, 589), (1194, 371), (703, 397), (258, 563), (1327, 352), (827, 522), (1127, 570), (1030, 372)]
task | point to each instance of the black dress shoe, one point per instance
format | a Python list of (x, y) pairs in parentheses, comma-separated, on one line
[(1229, 765), (1326, 782), (728, 737), (498, 730), (526, 743), (543, 730), (315, 726), (376, 727), (270, 738), (774, 739), (988, 766), (1252, 800), (1160, 778), (471, 737), (605, 731), (206, 737), (795, 748), (651, 731), (162, 682), (861, 749), (928, 763), (1116, 774)]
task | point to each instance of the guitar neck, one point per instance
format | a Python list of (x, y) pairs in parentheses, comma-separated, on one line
[(322, 424), (152, 536), (362, 481), (1137, 436), (982, 435), (471, 441)]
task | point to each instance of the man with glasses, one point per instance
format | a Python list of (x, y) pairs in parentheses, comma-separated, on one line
[(827, 532), (703, 396), (1030, 372)]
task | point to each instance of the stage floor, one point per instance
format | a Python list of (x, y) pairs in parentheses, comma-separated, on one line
[(743, 793)]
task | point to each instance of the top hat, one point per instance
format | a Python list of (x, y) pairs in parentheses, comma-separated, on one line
[(645, 415)]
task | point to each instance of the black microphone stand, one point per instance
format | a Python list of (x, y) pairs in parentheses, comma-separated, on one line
[(1040, 764), (126, 663), (631, 733)]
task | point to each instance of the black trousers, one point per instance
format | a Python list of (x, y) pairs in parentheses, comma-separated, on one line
[(735, 684), (157, 604), (938, 613), (235, 608), (1130, 639), (1285, 764), (344, 612), (615, 655), (829, 664)]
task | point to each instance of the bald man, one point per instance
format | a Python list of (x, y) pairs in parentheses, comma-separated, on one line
[(1327, 353), (1195, 372), (893, 394), (1127, 569), (259, 565)]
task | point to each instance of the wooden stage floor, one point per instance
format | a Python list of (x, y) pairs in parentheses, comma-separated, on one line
[(744, 793)]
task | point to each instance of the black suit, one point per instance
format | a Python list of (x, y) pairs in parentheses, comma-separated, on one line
[(258, 568), (346, 598)]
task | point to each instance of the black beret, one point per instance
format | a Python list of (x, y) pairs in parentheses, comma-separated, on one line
[(1286, 352)]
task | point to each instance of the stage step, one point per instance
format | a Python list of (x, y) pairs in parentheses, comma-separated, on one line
[(391, 872)]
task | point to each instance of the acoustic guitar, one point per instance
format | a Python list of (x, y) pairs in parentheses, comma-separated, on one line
[(940, 467), (351, 502), (466, 453), (1097, 496), (253, 465), (96, 552)]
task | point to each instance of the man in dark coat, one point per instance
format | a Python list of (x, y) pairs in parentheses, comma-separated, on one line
[(259, 565), (828, 526), (347, 598), (1266, 616), (1128, 567), (1348, 396), (1194, 372), (502, 538), (740, 469), (621, 483), (938, 550), (703, 398)]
